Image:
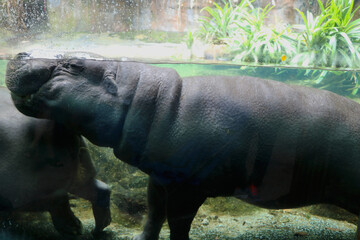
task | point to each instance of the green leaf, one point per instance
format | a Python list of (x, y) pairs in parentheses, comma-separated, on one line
[(321, 5), (347, 39)]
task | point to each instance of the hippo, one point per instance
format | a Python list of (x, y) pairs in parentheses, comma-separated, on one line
[(268, 143), (41, 161)]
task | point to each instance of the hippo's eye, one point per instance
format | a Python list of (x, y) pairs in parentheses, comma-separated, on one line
[(73, 67), (65, 65), (76, 67)]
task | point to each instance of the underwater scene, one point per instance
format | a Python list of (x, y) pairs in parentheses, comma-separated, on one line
[(179, 119), (217, 218)]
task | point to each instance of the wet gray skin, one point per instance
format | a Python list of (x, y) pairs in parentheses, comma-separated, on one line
[(268, 143), (40, 162)]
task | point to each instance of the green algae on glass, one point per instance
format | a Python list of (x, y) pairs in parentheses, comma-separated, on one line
[(3, 64)]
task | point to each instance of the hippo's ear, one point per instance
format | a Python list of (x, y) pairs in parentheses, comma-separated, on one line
[(109, 83)]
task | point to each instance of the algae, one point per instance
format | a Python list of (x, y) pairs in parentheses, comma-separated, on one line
[(2, 72)]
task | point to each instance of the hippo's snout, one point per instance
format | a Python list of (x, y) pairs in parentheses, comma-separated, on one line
[(25, 75), (23, 56)]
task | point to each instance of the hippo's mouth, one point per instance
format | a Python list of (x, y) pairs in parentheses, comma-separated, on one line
[(25, 78), (27, 99), (26, 75), (29, 106)]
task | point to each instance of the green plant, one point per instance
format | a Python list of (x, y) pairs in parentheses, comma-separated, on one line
[(312, 40), (331, 39), (221, 21), (340, 82), (189, 39), (255, 42), (242, 28)]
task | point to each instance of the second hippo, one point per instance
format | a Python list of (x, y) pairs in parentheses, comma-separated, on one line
[(40, 162)]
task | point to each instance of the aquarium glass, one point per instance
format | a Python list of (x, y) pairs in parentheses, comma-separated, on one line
[(43, 174)]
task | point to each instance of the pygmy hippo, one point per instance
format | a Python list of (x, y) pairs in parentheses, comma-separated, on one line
[(268, 143), (40, 162)]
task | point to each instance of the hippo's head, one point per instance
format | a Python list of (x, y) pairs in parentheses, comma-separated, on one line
[(79, 93)]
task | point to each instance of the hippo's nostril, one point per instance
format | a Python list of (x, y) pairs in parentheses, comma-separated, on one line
[(28, 98), (22, 56)]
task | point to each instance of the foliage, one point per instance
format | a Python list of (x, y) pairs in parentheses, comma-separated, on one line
[(242, 28), (340, 82), (189, 40), (222, 21), (330, 39), (255, 42)]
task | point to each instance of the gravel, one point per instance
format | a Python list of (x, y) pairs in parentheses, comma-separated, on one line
[(263, 224)]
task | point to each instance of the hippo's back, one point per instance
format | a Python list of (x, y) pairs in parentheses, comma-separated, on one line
[(299, 144), (261, 96)]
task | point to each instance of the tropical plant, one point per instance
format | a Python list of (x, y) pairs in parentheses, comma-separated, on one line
[(340, 82), (242, 28), (331, 39), (221, 21), (189, 39), (255, 42)]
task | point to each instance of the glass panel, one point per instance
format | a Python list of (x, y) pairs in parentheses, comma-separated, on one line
[(293, 33), (299, 147)]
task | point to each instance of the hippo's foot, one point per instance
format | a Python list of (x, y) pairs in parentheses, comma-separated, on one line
[(67, 224), (102, 218), (64, 219), (144, 236)]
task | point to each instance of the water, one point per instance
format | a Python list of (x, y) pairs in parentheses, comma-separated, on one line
[(220, 218), (343, 82), (157, 32)]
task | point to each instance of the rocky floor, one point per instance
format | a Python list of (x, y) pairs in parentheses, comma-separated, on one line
[(208, 225), (217, 219)]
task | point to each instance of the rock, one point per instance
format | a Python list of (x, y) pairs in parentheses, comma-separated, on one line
[(205, 222)]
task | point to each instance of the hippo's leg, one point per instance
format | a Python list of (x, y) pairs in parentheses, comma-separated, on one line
[(63, 218), (156, 197), (182, 206), (101, 206), (58, 206), (98, 193)]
